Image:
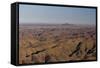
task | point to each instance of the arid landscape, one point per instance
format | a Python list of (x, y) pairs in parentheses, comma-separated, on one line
[(45, 43)]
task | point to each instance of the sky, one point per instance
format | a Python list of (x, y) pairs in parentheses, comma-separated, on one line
[(36, 14)]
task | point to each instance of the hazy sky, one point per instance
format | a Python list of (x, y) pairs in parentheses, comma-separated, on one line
[(56, 15)]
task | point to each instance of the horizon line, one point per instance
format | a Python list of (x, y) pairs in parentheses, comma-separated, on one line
[(58, 23)]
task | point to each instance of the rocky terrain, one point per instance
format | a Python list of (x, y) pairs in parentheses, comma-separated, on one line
[(56, 43)]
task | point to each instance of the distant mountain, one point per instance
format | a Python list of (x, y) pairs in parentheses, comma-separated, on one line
[(46, 24), (67, 24)]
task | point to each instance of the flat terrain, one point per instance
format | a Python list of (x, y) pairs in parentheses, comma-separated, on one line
[(56, 43)]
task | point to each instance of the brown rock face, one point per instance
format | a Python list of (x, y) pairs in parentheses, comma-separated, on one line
[(56, 44)]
